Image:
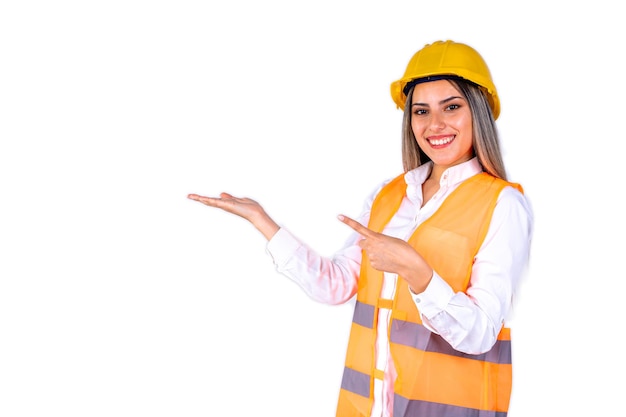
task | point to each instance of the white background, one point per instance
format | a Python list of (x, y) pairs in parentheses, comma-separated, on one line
[(121, 297)]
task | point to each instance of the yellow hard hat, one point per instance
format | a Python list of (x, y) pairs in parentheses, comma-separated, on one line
[(443, 58)]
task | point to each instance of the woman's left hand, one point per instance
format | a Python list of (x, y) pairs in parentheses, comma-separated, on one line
[(390, 254)]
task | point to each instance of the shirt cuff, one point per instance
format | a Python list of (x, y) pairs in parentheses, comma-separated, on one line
[(434, 298), (282, 246)]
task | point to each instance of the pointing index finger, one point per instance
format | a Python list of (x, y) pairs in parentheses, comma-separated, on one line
[(356, 226)]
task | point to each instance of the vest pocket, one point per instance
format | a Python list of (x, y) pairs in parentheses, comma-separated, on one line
[(448, 253)]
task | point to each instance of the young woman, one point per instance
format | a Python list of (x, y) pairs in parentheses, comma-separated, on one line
[(434, 259)]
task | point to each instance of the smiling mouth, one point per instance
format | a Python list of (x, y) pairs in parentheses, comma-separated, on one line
[(441, 141)]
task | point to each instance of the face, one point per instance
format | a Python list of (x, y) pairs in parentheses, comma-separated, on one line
[(442, 123)]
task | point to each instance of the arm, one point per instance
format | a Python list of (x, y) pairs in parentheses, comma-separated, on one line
[(327, 280), (471, 321), (330, 281)]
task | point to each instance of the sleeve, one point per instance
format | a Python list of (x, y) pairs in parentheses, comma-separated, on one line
[(329, 280), (470, 321)]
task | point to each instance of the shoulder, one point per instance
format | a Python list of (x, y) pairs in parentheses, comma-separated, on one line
[(513, 204), (388, 181)]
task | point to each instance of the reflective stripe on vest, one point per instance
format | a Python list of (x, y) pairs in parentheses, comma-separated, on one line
[(433, 378)]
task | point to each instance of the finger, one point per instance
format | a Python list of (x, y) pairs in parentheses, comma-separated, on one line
[(356, 226), (213, 201), (209, 201)]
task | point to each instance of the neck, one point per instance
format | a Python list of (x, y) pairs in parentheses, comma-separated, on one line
[(436, 172)]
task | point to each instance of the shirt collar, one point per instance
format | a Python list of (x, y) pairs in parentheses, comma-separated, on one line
[(459, 173), (450, 177)]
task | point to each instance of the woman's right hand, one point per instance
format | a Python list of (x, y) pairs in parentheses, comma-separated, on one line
[(242, 207)]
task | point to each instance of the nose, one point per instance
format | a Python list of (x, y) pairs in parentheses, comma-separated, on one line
[(437, 121)]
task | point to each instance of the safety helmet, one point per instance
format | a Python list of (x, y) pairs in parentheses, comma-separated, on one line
[(447, 58)]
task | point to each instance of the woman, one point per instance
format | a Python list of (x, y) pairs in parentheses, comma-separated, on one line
[(436, 268)]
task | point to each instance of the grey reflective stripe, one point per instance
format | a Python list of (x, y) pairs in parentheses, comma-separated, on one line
[(364, 315), (356, 382), (417, 336), (416, 408)]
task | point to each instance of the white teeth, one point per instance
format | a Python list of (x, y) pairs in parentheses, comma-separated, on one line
[(438, 142)]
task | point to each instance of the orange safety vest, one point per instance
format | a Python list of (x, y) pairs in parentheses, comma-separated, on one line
[(433, 379)]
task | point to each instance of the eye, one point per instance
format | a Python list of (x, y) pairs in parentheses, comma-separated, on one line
[(419, 112), (453, 106)]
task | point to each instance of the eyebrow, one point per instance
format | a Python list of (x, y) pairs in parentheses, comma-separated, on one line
[(444, 101)]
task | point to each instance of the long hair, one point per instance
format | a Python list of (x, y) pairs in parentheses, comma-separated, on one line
[(485, 141)]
